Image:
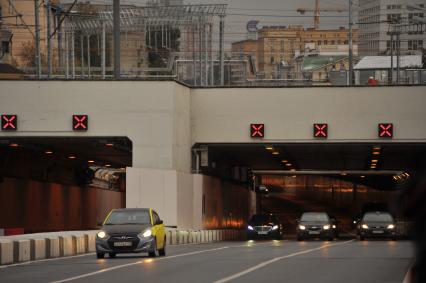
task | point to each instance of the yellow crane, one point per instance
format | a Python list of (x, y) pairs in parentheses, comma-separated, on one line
[(317, 11)]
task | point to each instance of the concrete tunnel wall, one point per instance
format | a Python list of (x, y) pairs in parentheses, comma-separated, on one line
[(165, 119)]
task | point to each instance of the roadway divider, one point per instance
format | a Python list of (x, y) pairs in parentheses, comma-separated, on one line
[(30, 247)]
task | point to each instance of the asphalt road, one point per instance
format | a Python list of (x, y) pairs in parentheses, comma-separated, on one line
[(349, 261)]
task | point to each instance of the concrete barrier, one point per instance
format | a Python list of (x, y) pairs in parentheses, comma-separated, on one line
[(52, 247), (90, 242), (79, 244), (21, 250), (6, 252), (66, 246), (37, 249)]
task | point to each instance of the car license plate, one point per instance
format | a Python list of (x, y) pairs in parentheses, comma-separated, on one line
[(314, 232), (122, 244), (262, 233), (378, 232)]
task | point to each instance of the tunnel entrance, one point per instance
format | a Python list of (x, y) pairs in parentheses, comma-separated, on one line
[(61, 183), (343, 179)]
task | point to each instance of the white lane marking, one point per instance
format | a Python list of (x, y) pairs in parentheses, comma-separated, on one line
[(263, 264), (47, 259), (134, 263)]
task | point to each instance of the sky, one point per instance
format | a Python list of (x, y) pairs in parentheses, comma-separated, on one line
[(269, 12)]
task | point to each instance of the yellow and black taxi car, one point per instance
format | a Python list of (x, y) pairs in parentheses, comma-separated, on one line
[(131, 230)]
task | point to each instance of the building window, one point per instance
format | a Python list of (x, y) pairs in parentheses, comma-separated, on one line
[(272, 60), (415, 44), (282, 46)]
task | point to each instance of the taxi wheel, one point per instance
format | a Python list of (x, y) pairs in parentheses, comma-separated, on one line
[(162, 252), (153, 253), (100, 255)]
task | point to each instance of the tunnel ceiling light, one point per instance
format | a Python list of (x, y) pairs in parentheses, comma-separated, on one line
[(376, 152), (109, 144), (107, 165), (269, 147), (91, 161), (48, 152), (294, 176), (72, 157), (344, 174), (362, 176), (374, 161), (293, 170), (377, 148), (14, 145), (288, 164), (275, 153), (284, 161)]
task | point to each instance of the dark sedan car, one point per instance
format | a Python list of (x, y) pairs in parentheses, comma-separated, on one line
[(264, 226), (377, 224), (315, 225), (131, 230)]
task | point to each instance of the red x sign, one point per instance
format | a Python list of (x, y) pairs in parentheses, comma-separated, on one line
[(257, 130), (9, 122), (320, 130), (80, 122), (385, 130)]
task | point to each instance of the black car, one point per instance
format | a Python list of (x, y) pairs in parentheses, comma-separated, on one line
[(377, 225), (131, 230), (315, 225), (264, 226)]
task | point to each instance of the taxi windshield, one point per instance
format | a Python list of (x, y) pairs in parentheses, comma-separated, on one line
[(128, 217)]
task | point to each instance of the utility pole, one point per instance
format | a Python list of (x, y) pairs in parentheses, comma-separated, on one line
[(116, 21), (391, 54), (351, 63), (221, 50), (49, 40), (37, 40)]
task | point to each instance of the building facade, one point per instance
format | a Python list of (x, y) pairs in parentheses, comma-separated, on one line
[(278, 47), (375, 17)]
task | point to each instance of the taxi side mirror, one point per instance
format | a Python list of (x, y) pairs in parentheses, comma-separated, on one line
[(159, 222)]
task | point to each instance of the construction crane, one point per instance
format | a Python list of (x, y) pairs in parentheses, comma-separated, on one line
[(316, 11)]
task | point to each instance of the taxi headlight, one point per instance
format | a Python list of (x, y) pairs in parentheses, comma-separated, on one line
[(275, 227), (102, 235), (364, 226), (391, 226), (301, 227), (147, 233), (250, 227), (326, 227)]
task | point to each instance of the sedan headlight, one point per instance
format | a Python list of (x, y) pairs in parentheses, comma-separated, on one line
[(147, 233), (391, 226), (275, 227), (334, 226), (102, 235), (364, 226), (250, 227), (326, 227), (301, 227)]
